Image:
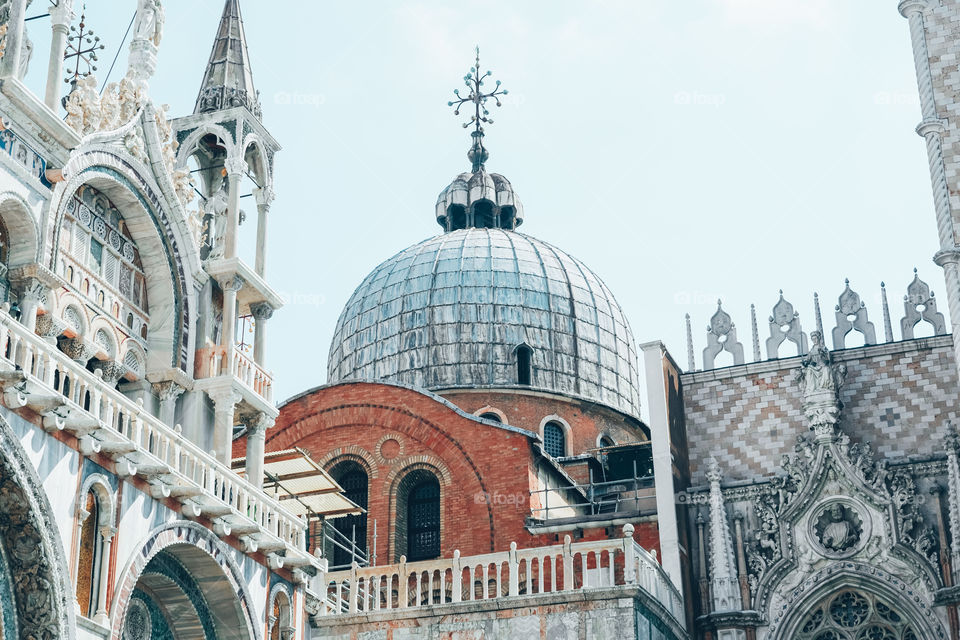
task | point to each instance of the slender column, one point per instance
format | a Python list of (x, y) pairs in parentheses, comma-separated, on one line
[(82, 515), (224, 404), (102, 617), (931, 129), (230, 287), (168, 392), (30, 301), (264, 198), (261, 313), (60, 18), (256, 434), (741, 559), (235, 167), (12, 51)]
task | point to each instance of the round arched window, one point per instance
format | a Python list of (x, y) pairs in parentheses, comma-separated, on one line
[(855, 615)]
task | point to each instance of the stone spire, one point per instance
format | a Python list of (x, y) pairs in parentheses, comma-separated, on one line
[(228, 79), (723, 578)]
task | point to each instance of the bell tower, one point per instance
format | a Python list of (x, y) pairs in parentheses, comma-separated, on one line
[(230, 155)]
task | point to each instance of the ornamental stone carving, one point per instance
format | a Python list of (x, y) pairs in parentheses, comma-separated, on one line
[(721, 336), (919, 304), (820, 381), (851, 314), (785, 325), (138, 624), (149, 21), (838, 527)]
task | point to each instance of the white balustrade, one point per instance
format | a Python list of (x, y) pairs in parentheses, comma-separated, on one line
[(252, 375), (541, 570), (109, 415)]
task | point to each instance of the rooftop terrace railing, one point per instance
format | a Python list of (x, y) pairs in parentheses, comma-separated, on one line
[(518, 572)]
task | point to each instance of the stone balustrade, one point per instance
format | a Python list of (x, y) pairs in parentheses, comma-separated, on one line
[(518, 572), (212, 361), (36, 375)]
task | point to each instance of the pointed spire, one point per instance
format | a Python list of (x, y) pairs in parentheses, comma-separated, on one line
[(691, 363), (756, 335), (228, 79), (887, 326)]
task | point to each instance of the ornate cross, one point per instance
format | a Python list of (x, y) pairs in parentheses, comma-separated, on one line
[(474, 82), (82, 45)]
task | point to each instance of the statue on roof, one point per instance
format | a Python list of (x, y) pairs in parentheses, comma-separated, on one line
[(820, 380), (149, 21)]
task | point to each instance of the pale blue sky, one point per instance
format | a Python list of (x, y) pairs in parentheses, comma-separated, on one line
[(684, 151)]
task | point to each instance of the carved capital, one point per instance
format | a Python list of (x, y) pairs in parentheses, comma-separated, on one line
[(909, 7), (77, 349), (167, 390), (235, 166), (261, 311), (110, 370), (49, 328), (33, 290), (224, 399), (231, 283), (264, 197), (107, 532), (62, 14), (257, 424)]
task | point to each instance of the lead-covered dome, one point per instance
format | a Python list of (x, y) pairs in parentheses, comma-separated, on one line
[(471, 307)]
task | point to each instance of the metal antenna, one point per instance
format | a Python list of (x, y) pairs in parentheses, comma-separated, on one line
[(474, 81)]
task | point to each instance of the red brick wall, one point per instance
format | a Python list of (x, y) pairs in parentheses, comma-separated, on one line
[(485, 472), (527, 410)]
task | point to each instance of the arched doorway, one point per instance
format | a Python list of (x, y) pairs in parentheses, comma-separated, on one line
[(36, 599), (184, 588), (351, 531), (855, 615)]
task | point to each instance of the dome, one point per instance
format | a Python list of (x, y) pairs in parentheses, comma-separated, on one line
[(487, 197), (460, 309)]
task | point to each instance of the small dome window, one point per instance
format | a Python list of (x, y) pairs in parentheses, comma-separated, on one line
[(524, 365), (554, 439)]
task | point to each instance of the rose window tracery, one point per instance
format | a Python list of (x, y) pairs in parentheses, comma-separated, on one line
[(852, 615)]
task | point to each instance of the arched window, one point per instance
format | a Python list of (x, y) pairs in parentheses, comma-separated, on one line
[(88, 565), (96, 245), (489, 415), (605, 441), (423, 520), (554, 439), (350, 530), (855, 614), (524, 364)]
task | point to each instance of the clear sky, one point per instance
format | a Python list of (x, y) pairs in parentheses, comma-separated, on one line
[(685, 151)]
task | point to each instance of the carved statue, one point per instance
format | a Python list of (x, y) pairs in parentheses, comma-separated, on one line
[(90, 99), (74, 109), (149, 22), (820, 381), (838, 534), (216, 208), (130, 93)]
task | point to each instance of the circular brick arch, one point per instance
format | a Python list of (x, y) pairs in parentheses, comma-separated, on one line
[(392, 419)]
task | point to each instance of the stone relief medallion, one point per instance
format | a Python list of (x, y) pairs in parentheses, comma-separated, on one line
[(837, 528), (137, 625)]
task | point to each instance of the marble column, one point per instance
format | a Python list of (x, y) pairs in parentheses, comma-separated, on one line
[(13, 40), (82, 515), (102, 617), (256, 434), (168, 392), (261, 313), (236, 168), (264, 197), (228, 330), (224, 404), (60, 18), (32, 294)]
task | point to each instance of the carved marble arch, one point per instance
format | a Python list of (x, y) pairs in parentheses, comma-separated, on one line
[(203, 153), (42, 605), (21, 241), (256, 158), (280, 618), (145, 268)]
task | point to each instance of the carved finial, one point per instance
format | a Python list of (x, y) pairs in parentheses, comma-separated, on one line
[(721, 336), (785, 325), (920, 305), (851, 315), (691, 364), (887, 327), (816, 310), (756, 336), (713, 470), (474, 81)]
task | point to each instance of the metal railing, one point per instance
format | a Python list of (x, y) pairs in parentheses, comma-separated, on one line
[(610, 497), (540, 570)]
